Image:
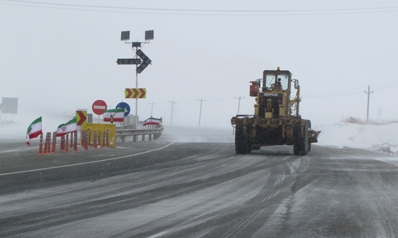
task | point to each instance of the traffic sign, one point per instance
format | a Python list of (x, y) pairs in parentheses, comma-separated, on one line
[(129, 61), (125, 106), (81, 118), (145, 61), (99, 107), (135, 93)]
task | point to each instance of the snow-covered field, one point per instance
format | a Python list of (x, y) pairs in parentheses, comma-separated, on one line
[(381, 138)]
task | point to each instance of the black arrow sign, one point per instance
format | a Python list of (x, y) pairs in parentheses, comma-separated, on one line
[(145, 61), (129, 61)]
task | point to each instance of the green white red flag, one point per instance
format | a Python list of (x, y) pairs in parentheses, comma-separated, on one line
[(34, 130), (152, 121), (68, 127), (114, 115)]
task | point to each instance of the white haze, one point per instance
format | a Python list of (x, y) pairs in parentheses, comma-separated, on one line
[(378, 138), (59, 58)]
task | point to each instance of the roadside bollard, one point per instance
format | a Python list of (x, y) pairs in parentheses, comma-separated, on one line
[(75, 141), (66, 143), (95, 140), (54, 142), (71, 140), (107, 138), (41, 144), (62, 143), (86, 139), (47, 143)]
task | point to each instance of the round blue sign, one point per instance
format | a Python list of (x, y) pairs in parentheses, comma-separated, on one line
[(125, 106)]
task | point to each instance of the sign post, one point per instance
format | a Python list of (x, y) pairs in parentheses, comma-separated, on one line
[(140, 60)]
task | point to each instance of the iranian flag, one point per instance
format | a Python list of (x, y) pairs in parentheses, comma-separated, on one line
[(152, 121), (34, 130), (114, 115), (66, 128)]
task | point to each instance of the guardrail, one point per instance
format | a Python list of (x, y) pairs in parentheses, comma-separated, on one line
[(153, 132)]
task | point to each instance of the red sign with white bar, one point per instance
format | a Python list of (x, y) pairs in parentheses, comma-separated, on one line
[(99, 107)]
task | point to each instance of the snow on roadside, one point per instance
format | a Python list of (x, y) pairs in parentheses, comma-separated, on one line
[(379, 138)]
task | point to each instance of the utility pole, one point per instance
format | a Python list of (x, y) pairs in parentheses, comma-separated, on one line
[(367, 111), (200, 111), (152, 107), (239, 103), (171, 118)]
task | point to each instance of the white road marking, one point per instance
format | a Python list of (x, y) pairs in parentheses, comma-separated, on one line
[(84, 163)]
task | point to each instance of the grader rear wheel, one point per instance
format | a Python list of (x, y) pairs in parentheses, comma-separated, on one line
[(301, 142), (242, 143)]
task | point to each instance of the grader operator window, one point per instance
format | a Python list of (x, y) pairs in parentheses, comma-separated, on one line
[(276, 82)]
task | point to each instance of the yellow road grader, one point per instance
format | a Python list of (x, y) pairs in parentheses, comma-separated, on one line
[(276, 119)]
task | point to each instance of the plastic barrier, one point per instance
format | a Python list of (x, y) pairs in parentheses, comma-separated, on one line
[(96, 138)]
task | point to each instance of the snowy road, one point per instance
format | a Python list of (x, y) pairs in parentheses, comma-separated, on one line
[(198, 187)]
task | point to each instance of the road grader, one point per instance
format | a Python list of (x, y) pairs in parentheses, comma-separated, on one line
[(276, 119)]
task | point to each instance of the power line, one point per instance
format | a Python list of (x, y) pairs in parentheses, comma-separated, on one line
[(386, 85), (187, 11)]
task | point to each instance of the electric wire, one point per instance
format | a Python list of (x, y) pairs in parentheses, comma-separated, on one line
[(360, 90), (187, 11)]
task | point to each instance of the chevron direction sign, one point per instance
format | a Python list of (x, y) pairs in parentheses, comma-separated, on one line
[(81, 118), (135, 93)]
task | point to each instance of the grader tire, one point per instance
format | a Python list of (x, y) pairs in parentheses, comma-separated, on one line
[(242, 145), (301, 141)]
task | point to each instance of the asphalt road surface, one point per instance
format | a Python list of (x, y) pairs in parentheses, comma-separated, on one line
[(190, 183)]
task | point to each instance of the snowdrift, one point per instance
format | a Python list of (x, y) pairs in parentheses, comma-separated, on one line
[(381, 138)]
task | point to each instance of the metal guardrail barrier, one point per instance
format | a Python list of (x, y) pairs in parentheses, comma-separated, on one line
[(153, 132)]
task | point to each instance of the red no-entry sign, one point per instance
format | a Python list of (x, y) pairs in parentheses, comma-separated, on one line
[(99, 107)]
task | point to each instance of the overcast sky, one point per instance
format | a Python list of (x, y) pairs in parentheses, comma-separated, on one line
[(60, 56)]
